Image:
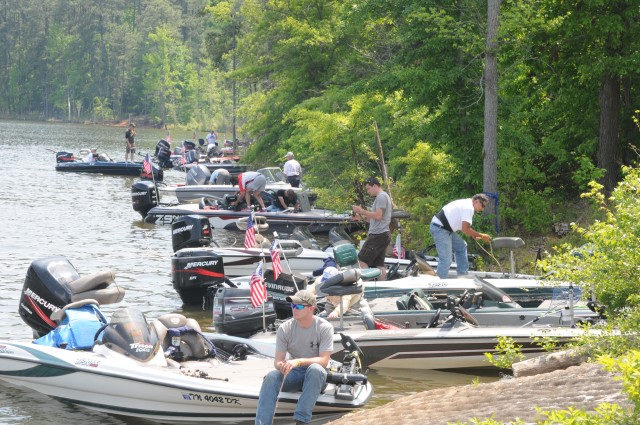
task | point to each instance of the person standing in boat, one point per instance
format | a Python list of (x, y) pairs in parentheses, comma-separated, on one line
[(455, 217), (212, 143), (285, 198), (251, 183), (308, 341), (292, 170), (374, 249), (220, 176), (131, 145)]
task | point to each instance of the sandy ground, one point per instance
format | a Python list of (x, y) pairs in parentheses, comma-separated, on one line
[(583, 387)]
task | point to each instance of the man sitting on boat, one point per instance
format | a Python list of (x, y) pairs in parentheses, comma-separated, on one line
[(285, 198), (308, 339), (92, 156)]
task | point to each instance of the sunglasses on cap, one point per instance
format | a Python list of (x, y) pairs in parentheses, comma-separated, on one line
[(298, 306)]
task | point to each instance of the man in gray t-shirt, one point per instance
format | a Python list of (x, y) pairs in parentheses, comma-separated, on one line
[(308, 339), (374, 249)]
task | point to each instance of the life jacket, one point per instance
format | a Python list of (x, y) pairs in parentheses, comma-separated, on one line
[(77, 329)]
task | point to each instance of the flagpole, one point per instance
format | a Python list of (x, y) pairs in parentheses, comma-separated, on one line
[(288, 265), (264, 313)]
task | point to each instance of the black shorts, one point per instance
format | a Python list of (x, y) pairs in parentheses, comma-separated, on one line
[(374, 249)]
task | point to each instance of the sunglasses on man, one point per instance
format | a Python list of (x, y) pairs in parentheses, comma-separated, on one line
[(298, 306)]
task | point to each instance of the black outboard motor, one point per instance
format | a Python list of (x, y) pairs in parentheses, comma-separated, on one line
[(234, 315), (199, 174), (144, 196), (193, 271), (64, 157), (286, 286), (163, 153), (190, 231), (52, 283)]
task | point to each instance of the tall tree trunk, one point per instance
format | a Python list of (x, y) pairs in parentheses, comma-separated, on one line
[(490, 150), (609, 100)]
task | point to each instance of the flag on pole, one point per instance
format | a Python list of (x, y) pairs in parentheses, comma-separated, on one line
[(146, 165), (257, 290), (276, 265), (183, 158), (250, 234), (398, 249)]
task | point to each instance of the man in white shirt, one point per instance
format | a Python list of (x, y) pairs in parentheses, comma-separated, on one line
[(91, 156), (292, 170), (212, 143)]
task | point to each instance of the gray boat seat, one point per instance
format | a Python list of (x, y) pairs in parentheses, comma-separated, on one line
[(96, 286), (347, 256), (507, 242), (190, 340), (414, 300)]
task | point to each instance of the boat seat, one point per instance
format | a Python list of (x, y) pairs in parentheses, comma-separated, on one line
[(182, 338), (511, 243), (96, 286), (347, 256)]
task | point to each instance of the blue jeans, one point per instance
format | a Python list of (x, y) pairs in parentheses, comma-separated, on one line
[(311, 380), (447, 244), (274, 208)]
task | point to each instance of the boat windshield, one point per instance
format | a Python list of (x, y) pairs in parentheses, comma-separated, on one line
[(338, 236), (273, 174), (128, 333)]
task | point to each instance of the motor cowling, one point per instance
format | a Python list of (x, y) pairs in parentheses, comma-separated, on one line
[(198, 175), (193, 271), (233, 313), (190, 231), (64, 157), (144, 196)]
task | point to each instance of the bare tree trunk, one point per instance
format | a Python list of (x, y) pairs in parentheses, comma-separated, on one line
[(490, 151), (609, 100)]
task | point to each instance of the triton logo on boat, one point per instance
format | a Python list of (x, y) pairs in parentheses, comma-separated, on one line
[(87, 362), (200, 264), (141, 348), (182, 229), (39, 300)]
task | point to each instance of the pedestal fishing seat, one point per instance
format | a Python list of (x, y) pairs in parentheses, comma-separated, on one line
[(182, 338), (346, 256), (511, 243)]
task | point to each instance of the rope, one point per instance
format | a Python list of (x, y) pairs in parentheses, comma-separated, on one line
[(490, 254)]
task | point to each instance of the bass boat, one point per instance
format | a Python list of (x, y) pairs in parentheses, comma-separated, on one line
[(105, 165), (165, 371)]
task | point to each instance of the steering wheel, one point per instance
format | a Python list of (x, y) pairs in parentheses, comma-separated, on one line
[(434, 320), (103, 327), (467, 317), (393, 271), (411, 269)]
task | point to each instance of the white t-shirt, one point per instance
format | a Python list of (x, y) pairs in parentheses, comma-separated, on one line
[(292, 168), (459, 211)]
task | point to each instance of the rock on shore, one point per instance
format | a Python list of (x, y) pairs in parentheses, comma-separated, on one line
[(583, 386)]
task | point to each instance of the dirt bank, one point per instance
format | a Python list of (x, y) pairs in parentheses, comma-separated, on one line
[(583, 387)]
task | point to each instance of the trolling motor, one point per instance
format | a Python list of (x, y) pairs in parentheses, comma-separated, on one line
[(348, 375)]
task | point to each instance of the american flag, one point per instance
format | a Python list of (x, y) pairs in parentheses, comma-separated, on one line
[(398, 250), (183, 158), (257, 290), (250, 235), (276, 265), (146, 165)]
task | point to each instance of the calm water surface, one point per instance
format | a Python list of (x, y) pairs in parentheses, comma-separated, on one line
[(89, 220)]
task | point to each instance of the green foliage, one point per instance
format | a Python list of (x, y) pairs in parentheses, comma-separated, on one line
[(507, 353)]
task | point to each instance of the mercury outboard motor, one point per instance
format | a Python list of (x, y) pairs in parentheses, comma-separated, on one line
[(190, 231), (52, 282), (144, 196), (163, 153), (193, 271), (199, 174), (64, 157)]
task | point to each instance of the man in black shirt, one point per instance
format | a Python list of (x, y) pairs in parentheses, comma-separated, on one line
[(285, 198)]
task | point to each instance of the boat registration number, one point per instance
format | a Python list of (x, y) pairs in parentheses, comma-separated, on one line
[(210, 398)]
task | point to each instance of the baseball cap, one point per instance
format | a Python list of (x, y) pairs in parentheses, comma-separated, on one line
[(288, 154), (372, 181), (303, 297), (329, 272)]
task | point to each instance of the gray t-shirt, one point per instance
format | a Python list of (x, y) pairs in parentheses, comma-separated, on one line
[(380, 226), (304, 343)]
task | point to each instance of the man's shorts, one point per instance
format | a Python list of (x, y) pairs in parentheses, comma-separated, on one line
[(131, 149), (374, 249)]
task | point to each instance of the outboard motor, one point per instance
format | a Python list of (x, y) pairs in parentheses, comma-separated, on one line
[(64, 157), (192, 156), (285, 286), (52, 283), (144, 196), (199, 174), (193, 271), (163, 153), (190, 231), (233, 313)]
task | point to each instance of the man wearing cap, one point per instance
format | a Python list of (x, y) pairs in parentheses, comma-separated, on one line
[(374, 249), (292, 170), (308, 339), (131, 146), (251, 183), (454, 217)]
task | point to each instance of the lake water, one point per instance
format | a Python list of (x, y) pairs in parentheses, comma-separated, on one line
[(89, 220)]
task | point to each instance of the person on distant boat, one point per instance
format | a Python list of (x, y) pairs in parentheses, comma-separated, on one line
[(332, 305), (285, 198), (220, 176), (454, 217), (131, 146), (374, 249), (92, 156), (212, 143), (251, 183), (292, 170), (308, 339)]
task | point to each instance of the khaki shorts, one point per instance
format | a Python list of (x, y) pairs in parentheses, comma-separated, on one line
[(374, 249)]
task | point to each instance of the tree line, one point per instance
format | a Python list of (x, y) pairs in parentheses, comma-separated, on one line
[(345, 84)]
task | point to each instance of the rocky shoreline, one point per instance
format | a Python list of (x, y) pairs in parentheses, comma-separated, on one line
[(583, 387)]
